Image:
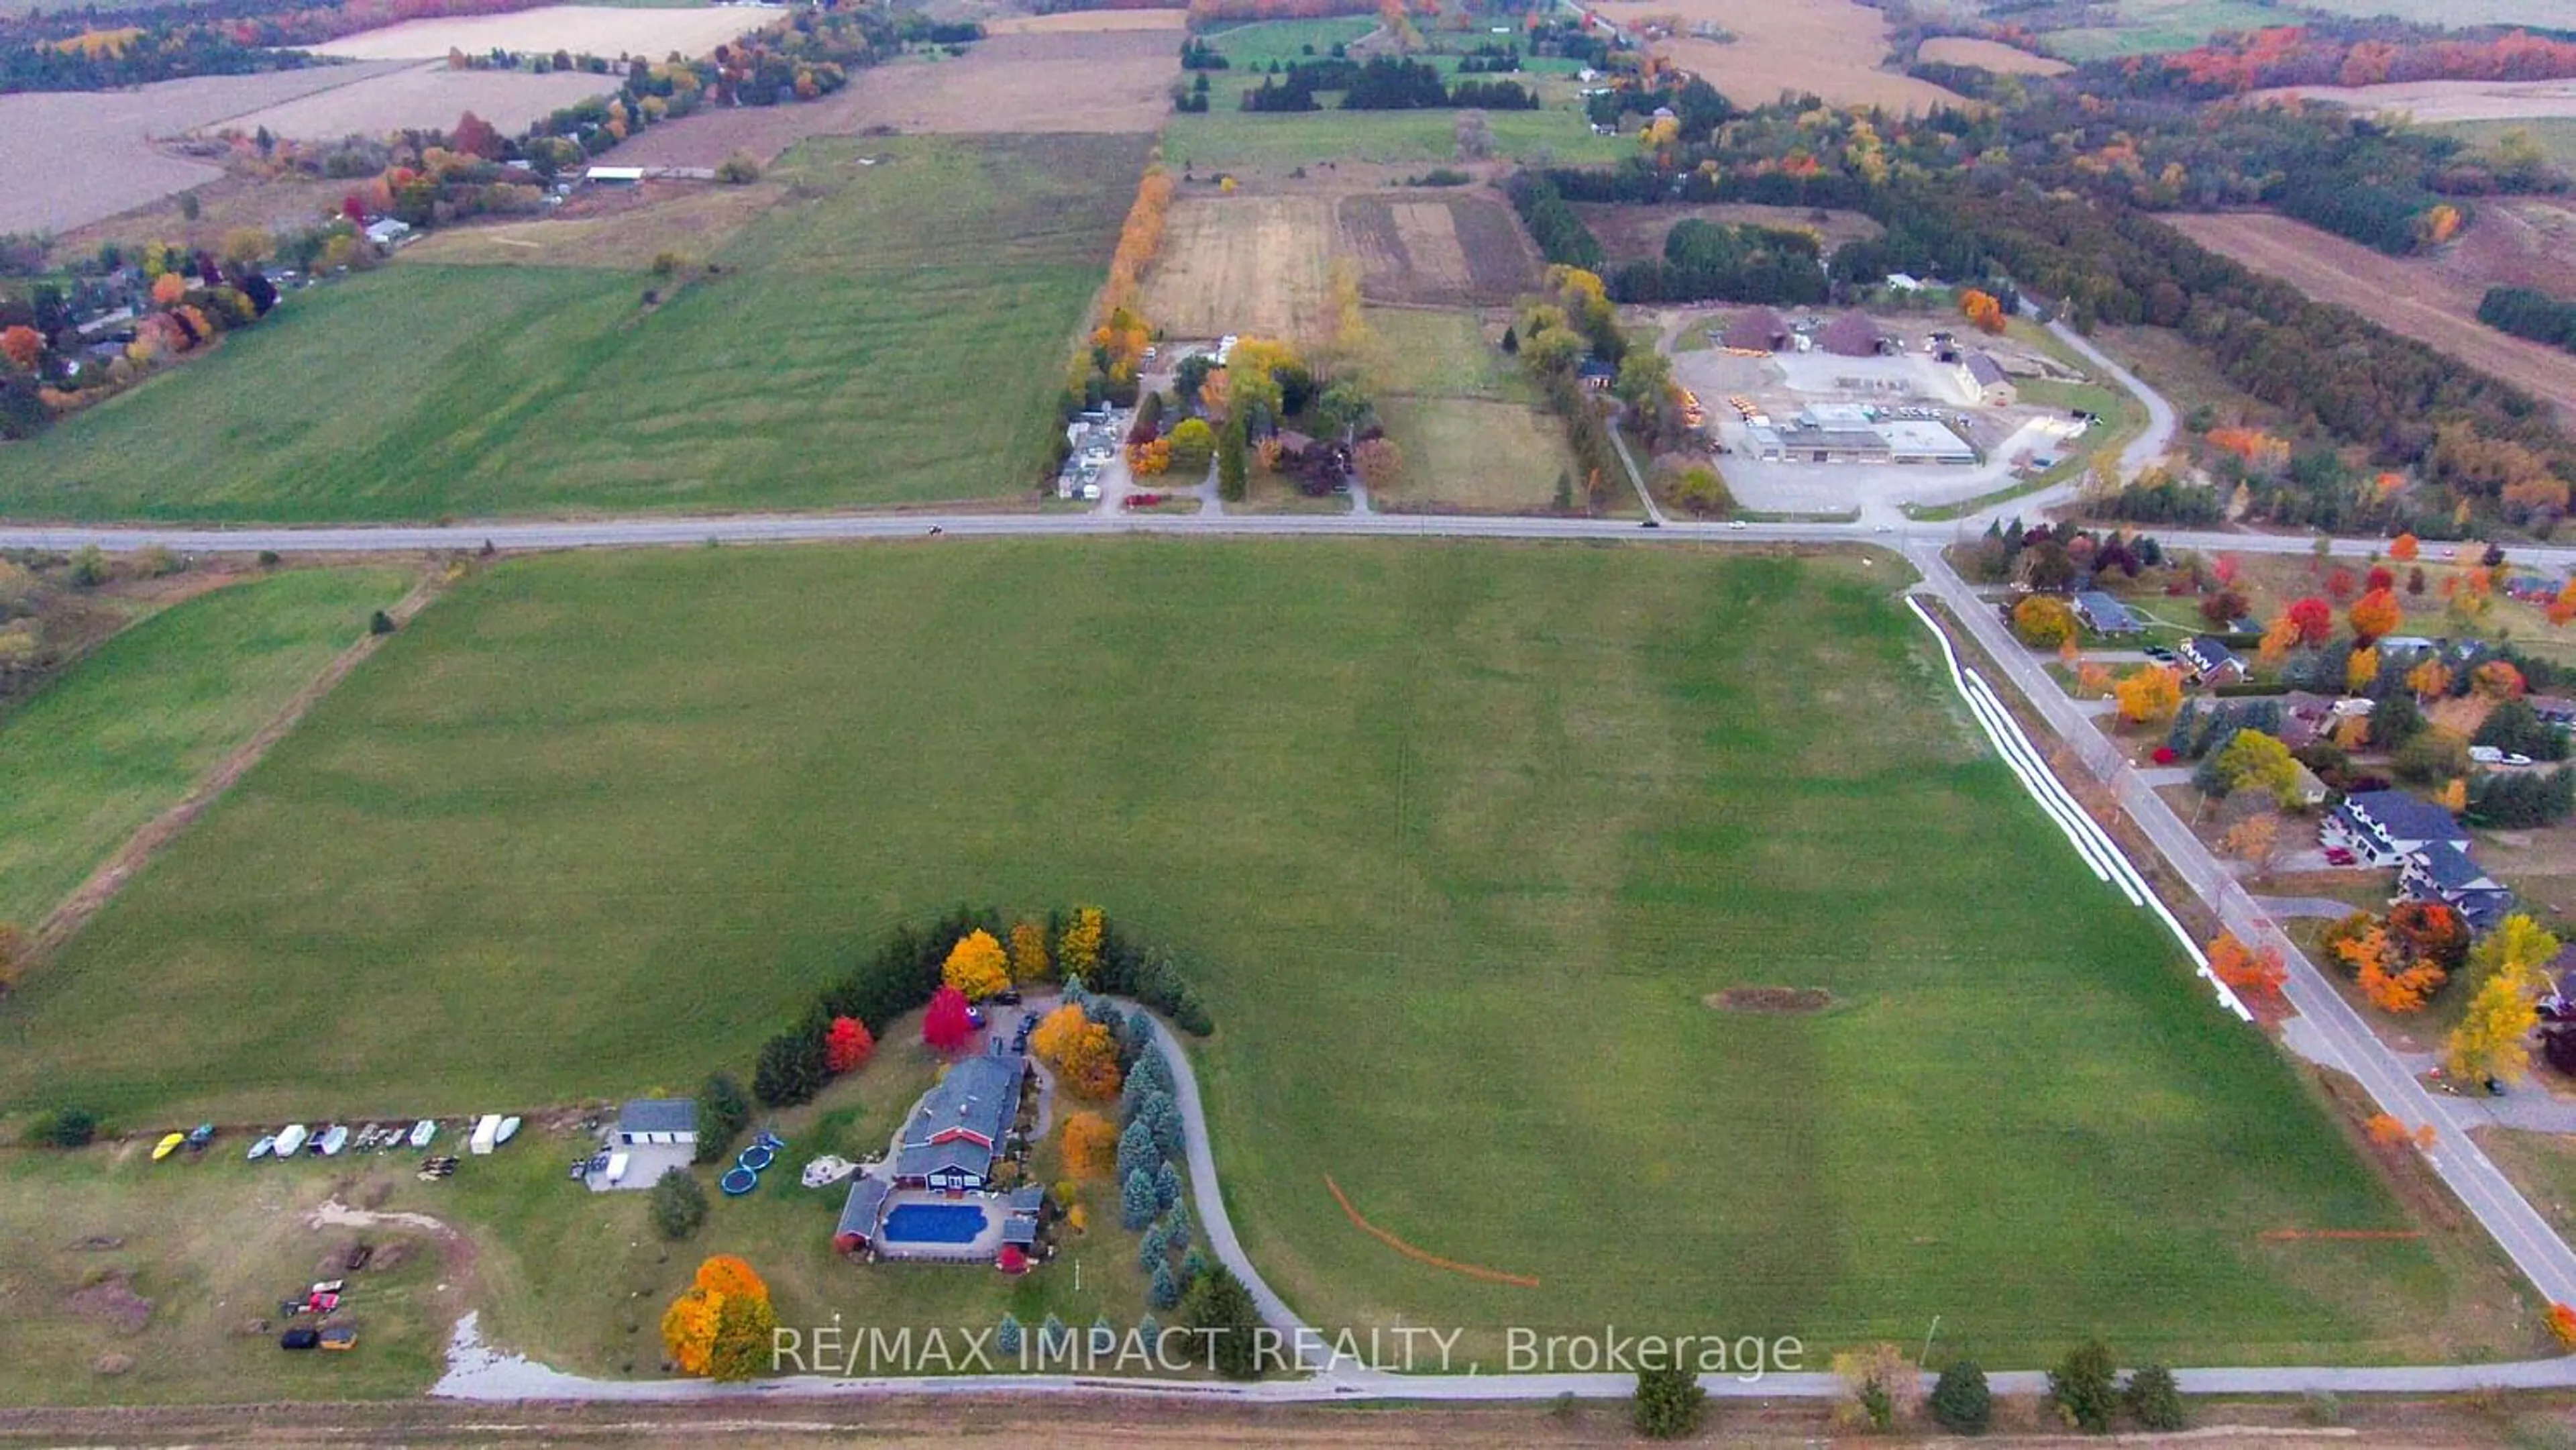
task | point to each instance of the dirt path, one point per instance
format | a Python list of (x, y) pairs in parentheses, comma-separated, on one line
[(102, 884)]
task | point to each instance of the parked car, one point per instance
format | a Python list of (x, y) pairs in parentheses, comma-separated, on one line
[(2339, 856), (2159, 654)]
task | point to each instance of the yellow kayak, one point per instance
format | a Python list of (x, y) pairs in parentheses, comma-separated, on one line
[(164, 1148)]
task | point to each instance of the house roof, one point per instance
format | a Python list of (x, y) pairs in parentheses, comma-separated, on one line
[(659, 1115), (1985, 369), (1028, 1198), (1594, 367), (865, 1205), (980, 1094), (2447, 866), (2401, 817), (958, 1155), (2105, 612), (2208, 653)]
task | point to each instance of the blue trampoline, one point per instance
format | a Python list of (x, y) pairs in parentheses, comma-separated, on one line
[(756, 1157), (739, 1182), (932, 1223)]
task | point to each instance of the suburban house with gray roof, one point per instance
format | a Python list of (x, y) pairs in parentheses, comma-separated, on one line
[(2443, 872), (2386, 827), (957, 1130), (2104, 614), (860, 1214), (2211, 662)]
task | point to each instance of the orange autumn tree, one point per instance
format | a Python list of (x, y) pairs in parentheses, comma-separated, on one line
[(722, 1325), (1090, 1145), (22, 346), (1982, 310), (2150, 694), (2404, 548), (1083, 1054), (2389, 982), (2251, 972), (2375, 615), (1139, 239)]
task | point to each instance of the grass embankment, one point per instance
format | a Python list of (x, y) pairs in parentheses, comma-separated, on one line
[(131, 728), (1460, 837), (888, 334)]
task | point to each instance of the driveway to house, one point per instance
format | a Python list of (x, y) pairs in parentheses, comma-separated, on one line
[(2317, 908)]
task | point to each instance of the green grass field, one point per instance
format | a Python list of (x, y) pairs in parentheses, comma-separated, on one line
[(2555, 135), (1224, 137), (888, 334), (125, 734), (1459, 837), (2148, 26)]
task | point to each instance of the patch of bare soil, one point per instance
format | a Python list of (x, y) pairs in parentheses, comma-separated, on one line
[(1100, 82), (111, 1301), (1430, 248), (1771, 1000)]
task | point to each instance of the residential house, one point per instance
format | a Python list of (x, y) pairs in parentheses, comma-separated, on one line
[(664, 1121), (2443, 872), (1596, 374), (2211, 662), (2104, 614), (2558, 710), (2386, 827), (956, 1132), (388, 232)]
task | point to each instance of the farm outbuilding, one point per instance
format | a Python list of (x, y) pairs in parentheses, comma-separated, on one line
[(1851, 335), (1759, 330)]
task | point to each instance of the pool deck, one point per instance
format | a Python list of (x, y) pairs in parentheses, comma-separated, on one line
[(981, 1249)]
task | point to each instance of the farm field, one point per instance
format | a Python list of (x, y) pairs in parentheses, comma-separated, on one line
[(721, 789), (1439, 250), (2428, 301), (73, 157), (1257, 265), (1994, 55), (2147, 26), (624, 229), (1277, 143), (1076, 22), (1112, 82), (2433, 102), (597, 29), (124, 734), (2555, 135), (1831, 48), (1631, 233), (1478, 457), (425, 97), (880, 341)]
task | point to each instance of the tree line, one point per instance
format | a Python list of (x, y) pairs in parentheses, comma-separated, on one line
[(1382, 83), (2528, 312)]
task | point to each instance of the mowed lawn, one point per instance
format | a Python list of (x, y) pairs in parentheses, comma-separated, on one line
[(126, 732), (889, 333), (1459, 836)]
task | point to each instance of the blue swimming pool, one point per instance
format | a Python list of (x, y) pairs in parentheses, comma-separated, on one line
[(932, 1223)]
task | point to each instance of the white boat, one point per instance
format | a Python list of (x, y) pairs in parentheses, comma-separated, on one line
[(422, 1132), (335, 1140), (509, 1129), (289, 1139), (260, 1149)]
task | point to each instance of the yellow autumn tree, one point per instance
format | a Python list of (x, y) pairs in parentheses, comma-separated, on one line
[(1083, 1054), (977, 966), (1090, 1145), (722, 1325), (1029, 961), (2150, 694), (2360, 668), (2493, 1038), (1077, 947)]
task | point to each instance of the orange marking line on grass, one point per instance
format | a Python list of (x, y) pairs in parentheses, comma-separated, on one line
[(2365, 1235), (1473, 1271)]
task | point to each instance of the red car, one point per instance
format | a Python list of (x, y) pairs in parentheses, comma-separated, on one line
[(2338, 856)]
